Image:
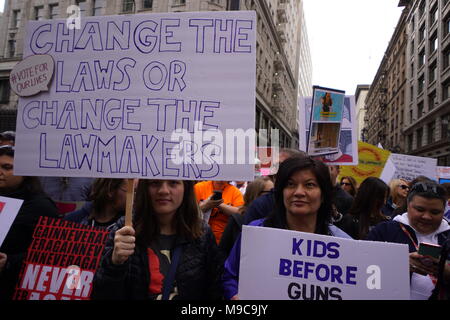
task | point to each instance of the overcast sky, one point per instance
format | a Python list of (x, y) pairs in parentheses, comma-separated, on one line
[(348, 39)]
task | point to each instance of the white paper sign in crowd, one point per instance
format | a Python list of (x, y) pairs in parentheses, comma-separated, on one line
[(9, 208), (288, 265), (148, 95), (401, 166)]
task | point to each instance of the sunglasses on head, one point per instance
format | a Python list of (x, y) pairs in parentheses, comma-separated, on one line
[(403, 186), (424, 187)]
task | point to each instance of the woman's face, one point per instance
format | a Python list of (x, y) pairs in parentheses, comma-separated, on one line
[(402, 189), (166, 196), (346, 185), (302, 195), (8, 181)]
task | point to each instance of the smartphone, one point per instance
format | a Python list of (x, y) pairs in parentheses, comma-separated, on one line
[(429, 249), (217, 195)]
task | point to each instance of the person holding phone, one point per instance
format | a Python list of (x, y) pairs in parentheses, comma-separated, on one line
[(218, 200), (422, 223)]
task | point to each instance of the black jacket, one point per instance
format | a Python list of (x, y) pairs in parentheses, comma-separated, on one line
[(198, 273), (20, 235), (342, 200)]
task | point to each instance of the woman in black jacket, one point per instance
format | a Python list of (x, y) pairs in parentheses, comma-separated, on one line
[(169, 253), (365, 212), (35, 204)]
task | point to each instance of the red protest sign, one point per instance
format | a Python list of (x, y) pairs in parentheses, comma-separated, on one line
[(61, 261)]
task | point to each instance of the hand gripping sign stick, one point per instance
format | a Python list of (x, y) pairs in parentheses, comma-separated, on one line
[(129, 203)]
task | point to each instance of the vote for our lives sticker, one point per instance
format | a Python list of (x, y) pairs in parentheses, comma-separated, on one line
[(32, 75)]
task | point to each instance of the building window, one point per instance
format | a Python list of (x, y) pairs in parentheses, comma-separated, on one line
[(434, 15), (99, 7), (412, 48), (445, 126), (83, 6), (410, 142), (419, 137), (433, 43), (4, 90), (432, 101), (11, 48), (432, 73), (39, 13), (179, 1), (421, 58), (147, 4), (445, 58), (422, 8), (445, 90), (419, 110), (431, 132), (411, 94), (54, 11), (411, 116), (15, 20), (128, 6), (446, 27), (422, 33), (413, 23), (420, 84)]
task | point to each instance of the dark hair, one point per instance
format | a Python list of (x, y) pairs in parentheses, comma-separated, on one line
[(353, 184), (293, 152), (8, 136), (369, 200), (429, 190), (188, 222), (100, 192), (446, 186), (277, 218), (29, 184)]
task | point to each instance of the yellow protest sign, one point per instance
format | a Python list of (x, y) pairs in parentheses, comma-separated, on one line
[(371, 163)]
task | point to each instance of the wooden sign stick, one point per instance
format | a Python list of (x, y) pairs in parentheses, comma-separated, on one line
[(129, 203)]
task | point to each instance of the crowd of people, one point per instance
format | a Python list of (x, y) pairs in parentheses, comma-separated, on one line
[(185, 239)]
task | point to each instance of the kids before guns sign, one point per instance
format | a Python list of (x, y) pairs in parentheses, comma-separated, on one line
[(290, 265), (61, 261), (168, 95)]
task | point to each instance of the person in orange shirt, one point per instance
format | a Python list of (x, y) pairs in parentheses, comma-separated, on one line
[(218, 211)]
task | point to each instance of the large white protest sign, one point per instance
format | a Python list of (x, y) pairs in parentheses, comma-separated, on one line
[(148, 96), (409, 167), (9, 208), (288, 265)]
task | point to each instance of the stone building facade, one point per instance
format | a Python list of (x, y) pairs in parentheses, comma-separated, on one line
[(278, 49)]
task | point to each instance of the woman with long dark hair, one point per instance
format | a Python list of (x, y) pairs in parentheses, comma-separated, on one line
[(365, 212), (303, 202), (169, 253)]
